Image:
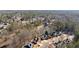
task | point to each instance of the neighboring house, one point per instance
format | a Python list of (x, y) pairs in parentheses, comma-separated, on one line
[(40, 18), (1, 26), (16, 18), (4, 26)]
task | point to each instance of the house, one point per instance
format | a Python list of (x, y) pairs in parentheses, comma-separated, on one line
[(40, 18), (17, 18), (4, 25), (1, 26)]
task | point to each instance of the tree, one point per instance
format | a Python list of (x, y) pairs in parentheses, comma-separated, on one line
[(46, 32)]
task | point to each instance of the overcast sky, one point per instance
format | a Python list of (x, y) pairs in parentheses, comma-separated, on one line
[(39, 4)]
